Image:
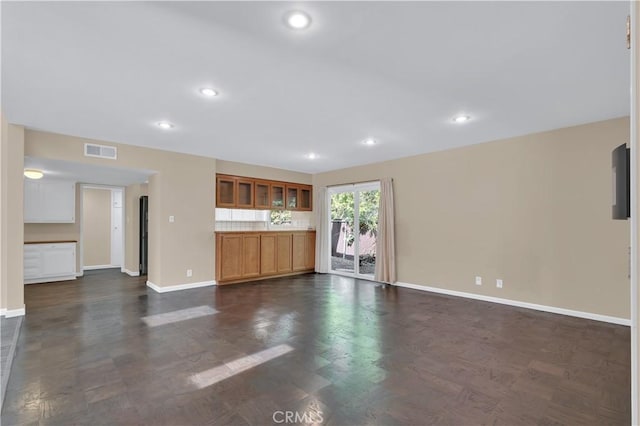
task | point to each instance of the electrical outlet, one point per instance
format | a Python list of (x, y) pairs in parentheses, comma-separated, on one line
[(478, 280), (499, 283), (172, 219), (189, 272)]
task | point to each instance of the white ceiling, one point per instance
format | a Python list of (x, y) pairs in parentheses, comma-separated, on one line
[(85, 173), (394, 71)]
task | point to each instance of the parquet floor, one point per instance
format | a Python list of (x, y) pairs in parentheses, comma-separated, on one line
[(330, 349)]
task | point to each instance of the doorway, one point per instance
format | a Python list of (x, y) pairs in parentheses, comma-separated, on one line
[(353, 212), (102, 227)]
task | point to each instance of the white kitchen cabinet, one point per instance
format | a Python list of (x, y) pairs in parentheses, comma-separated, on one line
[(47, 262), (49, 201)]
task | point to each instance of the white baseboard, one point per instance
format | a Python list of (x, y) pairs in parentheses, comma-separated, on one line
[(50, 279), (80, 274), (10, 313), (166, 289), (534, 306), (92, 267), (131, 273)]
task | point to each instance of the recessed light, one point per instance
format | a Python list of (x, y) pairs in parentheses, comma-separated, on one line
[(312, 156), (461, 118), (209, 92), (297, 20), (369, 142), (165, 125), (33, 174)]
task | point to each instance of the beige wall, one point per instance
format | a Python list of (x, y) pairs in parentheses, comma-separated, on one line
[(96, 227), (4, 137), (12, 238), (534, 211), (635, 327), (132, 225), (270, 173), (183, 187), (57, 231)]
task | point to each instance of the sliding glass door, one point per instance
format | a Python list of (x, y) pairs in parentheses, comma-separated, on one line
[(354, 228)]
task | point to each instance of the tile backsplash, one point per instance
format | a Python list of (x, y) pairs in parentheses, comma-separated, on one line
[(259, 220)]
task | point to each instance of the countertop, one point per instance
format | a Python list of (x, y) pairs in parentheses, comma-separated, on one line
[(265, 231)]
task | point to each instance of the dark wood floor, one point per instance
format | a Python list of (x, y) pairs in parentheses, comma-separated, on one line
[(361, 354)]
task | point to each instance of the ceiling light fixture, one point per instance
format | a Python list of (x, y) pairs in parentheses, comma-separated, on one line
[(369, 142), (33, 174), (208, 92), (297, 20), (312, 156), (461, 118), (165, 125)]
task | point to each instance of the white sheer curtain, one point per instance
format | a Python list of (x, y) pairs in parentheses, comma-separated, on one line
[(385, 242), (322, 230)]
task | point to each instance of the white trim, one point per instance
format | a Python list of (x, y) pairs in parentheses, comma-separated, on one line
[(10, 313), (166, 289), (92, 267), (79, 274), (534, 306), (50, 279), (131, 273)]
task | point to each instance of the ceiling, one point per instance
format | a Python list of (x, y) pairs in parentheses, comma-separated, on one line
[(86, 173), (394, 71)]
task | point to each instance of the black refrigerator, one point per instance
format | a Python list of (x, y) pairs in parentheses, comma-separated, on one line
[(144, 234)]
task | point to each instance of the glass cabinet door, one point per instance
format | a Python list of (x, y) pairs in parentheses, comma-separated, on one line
[(305, 199), (277, 196), (292, 197), (245, 193), (226, 192), (262, 196)]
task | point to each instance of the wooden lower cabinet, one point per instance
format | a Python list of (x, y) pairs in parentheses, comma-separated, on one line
[(251, 255), (245, 256), (310, 250), (299, 258), (284, 253), (268, 254), (229, 257)]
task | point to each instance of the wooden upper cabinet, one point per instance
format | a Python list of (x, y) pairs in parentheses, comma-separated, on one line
[(225, 191), (277, 196), (249, 193), (304, 198), (262, 195), (292, 197), (245, 193)]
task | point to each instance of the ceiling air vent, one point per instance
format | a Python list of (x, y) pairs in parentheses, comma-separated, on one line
[(100, 151)]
